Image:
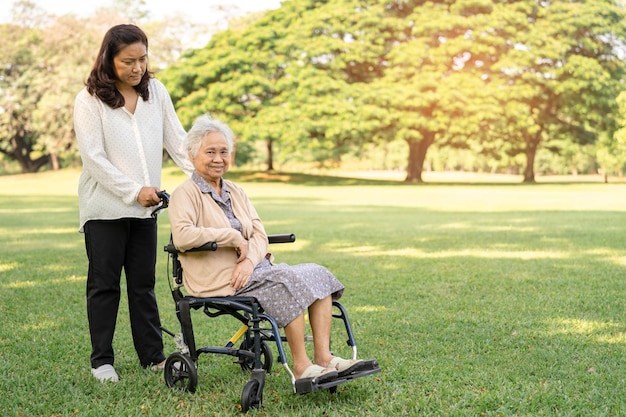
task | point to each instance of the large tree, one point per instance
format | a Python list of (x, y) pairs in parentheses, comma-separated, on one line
[(294, 77), (505, 76), (20, 96), (433, 85), (560, 76)]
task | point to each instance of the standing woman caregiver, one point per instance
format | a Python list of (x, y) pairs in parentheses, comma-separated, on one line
[(123, 118)]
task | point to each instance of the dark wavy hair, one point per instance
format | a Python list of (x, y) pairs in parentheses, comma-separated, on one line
[(101, 81)]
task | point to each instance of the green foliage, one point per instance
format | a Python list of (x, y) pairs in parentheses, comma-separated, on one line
[(566, 69), (20, 69), (45, 61), (321, 79)]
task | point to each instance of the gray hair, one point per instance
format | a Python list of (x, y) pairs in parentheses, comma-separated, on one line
[(204, 125)]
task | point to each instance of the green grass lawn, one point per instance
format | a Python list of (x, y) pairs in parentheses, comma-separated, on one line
[(486, 299)]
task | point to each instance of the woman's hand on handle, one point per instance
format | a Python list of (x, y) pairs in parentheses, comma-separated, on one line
[(148, 196)]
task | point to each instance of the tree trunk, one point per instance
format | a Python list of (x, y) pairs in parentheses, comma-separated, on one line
[(532, 142), (270, 156), (30, 166), (417, 156), (20, 151), (54, 162)]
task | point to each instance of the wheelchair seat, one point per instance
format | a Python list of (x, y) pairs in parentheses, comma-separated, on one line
[(257, 328)]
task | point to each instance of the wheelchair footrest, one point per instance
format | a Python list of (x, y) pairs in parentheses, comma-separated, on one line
[(362, 373), (307, 385)]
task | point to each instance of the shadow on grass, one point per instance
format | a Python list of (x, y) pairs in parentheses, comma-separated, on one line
[(330, 180), (303, 179)]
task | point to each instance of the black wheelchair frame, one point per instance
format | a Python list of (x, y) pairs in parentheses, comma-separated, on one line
[(257, 329)]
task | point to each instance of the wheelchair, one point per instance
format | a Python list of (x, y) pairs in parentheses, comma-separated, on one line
[(256, 332)]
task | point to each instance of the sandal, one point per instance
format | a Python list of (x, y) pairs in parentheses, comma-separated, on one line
[(318, 374), (345, 366)]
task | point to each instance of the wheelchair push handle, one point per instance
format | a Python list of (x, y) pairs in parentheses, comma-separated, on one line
[(164, 196), (165, 202)]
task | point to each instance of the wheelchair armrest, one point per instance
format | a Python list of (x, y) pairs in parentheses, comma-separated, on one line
[(285, 238), (212, 246), (209, 246)]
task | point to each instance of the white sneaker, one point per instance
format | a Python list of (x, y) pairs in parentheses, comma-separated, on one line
[(161, 366), (105, 373), (158, 367)]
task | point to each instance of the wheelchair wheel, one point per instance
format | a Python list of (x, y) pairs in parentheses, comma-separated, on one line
[(252, 396), (180, 372), (267, 359)]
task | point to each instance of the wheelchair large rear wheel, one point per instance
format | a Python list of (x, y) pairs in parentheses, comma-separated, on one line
[(252, 396), (180, 372), (247, 363)]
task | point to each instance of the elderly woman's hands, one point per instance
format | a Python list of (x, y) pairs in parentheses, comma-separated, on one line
[(242, 250), (244, 267)]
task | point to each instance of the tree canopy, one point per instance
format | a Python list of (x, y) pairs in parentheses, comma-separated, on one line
[(318, 78), (44, 62), (322, 80)]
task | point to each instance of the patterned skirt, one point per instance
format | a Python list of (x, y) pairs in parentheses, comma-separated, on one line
[(286, 291)]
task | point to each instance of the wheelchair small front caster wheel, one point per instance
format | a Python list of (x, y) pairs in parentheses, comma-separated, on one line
[(252, 396), (247, 363), (180, 372)]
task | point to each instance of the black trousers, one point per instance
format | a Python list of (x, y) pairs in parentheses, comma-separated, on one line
[(112, 245)]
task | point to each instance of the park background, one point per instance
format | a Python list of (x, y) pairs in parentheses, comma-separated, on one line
[(519, 87), (484, 285)]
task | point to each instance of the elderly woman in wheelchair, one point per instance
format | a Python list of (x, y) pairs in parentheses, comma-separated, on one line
[(209, 208)]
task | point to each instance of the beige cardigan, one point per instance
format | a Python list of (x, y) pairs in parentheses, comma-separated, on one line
[(196, 219)]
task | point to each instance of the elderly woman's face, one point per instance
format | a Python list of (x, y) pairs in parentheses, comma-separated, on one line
[(213, 157)]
